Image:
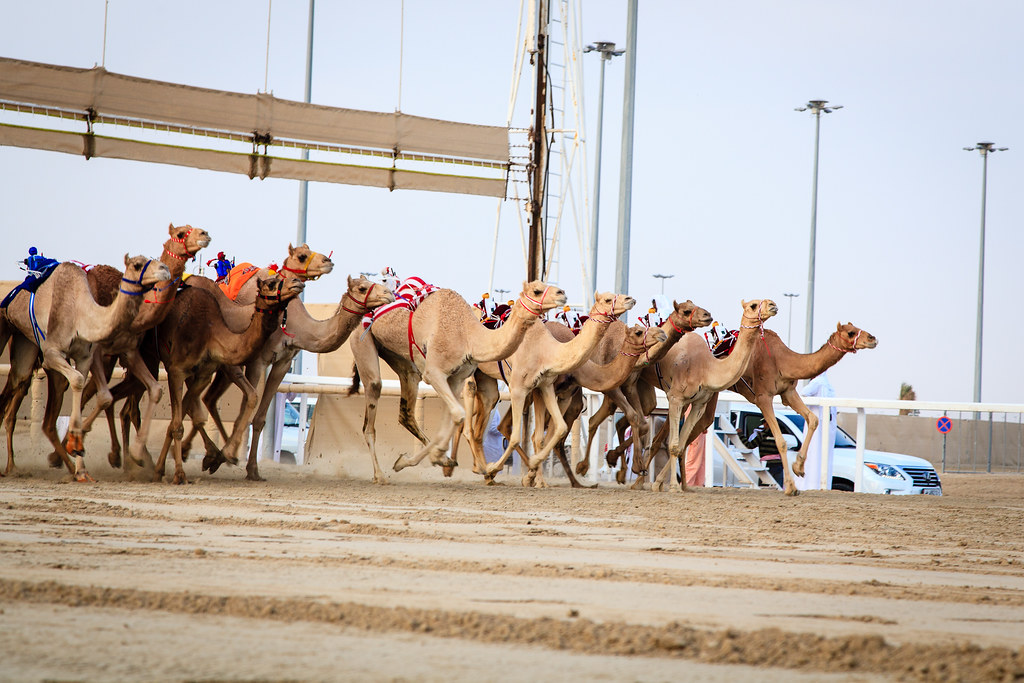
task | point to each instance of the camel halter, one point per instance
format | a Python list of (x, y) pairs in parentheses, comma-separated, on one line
[(538, 304), (304, 272), (188, 254), (643, 350), (759, 325), (853, 348), (138, 282), (357, 301), (271, 297), (609, 317), (157, 291), (689, 322)]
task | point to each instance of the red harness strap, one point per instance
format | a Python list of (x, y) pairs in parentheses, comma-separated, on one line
[(412, 342)]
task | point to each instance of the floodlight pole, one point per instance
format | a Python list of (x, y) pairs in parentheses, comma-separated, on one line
[(626, 174), (816, 107), (983, 148), (607, 51), (662, 278)]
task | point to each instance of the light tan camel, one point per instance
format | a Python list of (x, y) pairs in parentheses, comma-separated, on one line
[(775, 369), (65, 320), (442, 341), (535, 366), (691, 376), (302, 333), (481, 392), (184, 243), (194, 341), (685, 317), (302, 263)]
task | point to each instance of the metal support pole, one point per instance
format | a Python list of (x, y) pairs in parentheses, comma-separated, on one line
[(535, 255), (626, 176), (809, 332), (597, 189), (981, 283)]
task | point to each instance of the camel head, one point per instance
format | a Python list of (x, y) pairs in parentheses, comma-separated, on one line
[(641, 338), (193, 239), (142, 270), (756, 311), (306, 263), (851, 339), (368, 294), (539, 297), (688, 316), (611, 305), (277, 290)]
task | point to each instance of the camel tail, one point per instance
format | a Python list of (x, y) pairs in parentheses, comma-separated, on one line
[(354, 389)]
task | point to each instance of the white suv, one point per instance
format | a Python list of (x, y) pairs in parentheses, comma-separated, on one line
[(890, 473)]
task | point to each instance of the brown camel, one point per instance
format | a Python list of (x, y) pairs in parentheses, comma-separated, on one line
[(302, 333), (775, 369), (66, 321), (691, 376), (685, 317), (535, 366), (302, 263), (635, 343), (442, 341), (194, 341), (183, 244)]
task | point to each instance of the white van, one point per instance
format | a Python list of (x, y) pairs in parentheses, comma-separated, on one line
[(888, 473)]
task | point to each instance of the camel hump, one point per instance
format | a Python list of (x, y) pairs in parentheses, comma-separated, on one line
[(236, 279), (104, 282)]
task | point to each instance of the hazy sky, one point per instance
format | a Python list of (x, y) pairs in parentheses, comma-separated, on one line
[(722, 162)]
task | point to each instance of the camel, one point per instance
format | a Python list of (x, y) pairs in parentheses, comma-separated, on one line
[(691, 376), (774, 370), (302, 263), (535, 366), (302, 333), (183, 244), (443, 342), (685, 317), (194, 340), (66, 321), (636, 342)]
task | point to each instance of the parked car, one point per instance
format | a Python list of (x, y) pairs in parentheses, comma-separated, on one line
[(886, 473), (290, 429)]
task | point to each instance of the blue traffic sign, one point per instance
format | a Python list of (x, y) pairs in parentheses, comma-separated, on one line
[(944, 424)]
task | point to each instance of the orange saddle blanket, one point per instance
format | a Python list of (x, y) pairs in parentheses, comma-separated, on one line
[(236, 279)]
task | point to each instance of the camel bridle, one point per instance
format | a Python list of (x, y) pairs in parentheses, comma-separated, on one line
[(188, 254), (610, 316), (853, 345), (356, 301), (689, 322), (271, 297), (538, 304), (304, 273), (760, 320), (138, 282)]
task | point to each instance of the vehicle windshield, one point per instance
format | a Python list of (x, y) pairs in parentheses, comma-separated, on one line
[(291, 415), (843, 440)]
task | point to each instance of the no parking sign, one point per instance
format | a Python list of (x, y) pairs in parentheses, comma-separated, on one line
[(944, 424)]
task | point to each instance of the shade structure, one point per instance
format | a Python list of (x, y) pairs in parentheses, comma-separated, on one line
[(478, 154)]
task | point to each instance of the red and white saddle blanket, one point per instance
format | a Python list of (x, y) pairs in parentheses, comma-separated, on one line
[(409, 293)]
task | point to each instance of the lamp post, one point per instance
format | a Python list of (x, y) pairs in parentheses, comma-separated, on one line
[(789, 335), (984, 149), (816, 107), (662, 278), (607, 51)]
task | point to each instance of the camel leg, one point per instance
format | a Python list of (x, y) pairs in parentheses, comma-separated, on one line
[(220, 384), (603, 413), (259, 419), (54, 361), (447, 387), (572, 411), (675, 413), (102, 369), (367, 363), (484, 399), (240, 427), (175, 430), (677, 449), (24, 360), (792, 399), (558, 428), (515, 436)]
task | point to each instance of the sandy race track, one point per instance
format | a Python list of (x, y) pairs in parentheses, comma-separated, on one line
[(312, 577)]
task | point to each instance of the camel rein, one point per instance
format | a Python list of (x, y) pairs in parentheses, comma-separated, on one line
[(188, 254), (538, 304), (304, 272)]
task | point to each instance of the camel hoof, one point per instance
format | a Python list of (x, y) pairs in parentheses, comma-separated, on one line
[(401, 463), (179, 479), (114, 458), (380, 480), (638, 485), (212, 463), (611, 457), (254, 476), (447, 470), (620, 476), (84, 477), (792, 490), (658, 486), (798, 469), (528, 481), (445, 463), (582, 467), (55, 460)]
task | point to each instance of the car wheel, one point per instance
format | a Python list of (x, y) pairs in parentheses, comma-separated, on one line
[(841, 485)]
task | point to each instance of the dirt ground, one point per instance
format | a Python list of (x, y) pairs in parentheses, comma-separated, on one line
[(316, 577)]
